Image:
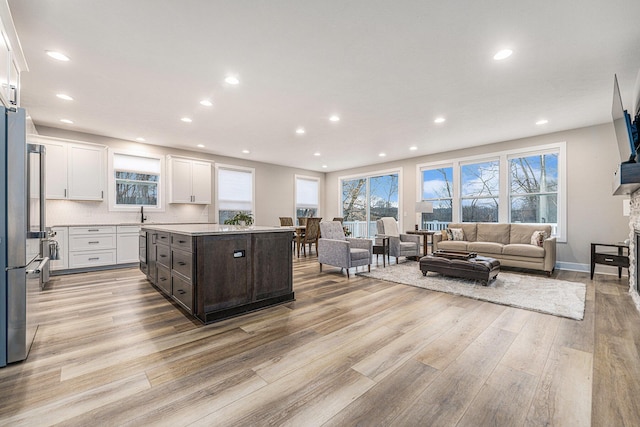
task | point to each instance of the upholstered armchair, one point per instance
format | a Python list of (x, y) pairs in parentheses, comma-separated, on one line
[(337, 250), (399, 244)]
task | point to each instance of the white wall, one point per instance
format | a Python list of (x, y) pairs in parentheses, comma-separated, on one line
[(274, 192), (593, 214)]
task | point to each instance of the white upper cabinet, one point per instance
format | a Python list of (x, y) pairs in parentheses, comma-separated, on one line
[(189, 180), (12, 61), (86, 172), (74, 171)]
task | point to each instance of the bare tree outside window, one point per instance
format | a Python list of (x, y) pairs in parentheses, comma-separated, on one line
[(137, 189), (534, 189), (437, 187), (480, 191)]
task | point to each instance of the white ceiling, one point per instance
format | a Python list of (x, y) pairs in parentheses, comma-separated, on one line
[(387, 68)]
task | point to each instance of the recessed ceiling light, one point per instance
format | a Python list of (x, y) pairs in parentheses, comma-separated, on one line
[(439, 120), (186, 119), (334, 118), (232, 80), (300, 131), (542, 122), (200, 145), (67, 121), (246, 151), (503, 54), (65, 97), (57, 55), (413, 148), (382, 154), (324, 166), (140, 139), (316, 154), (206, 103)]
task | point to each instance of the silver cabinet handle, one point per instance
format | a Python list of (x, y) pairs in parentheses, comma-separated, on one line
[(94, 258), (93, 243), (609, 259)]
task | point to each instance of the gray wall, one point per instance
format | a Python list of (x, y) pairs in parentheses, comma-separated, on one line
[(593, 214), (274, 185)]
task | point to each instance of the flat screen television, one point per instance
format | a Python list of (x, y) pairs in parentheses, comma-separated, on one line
[(626, 131)]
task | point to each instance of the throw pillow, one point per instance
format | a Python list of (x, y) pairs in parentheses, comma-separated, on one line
[(537, 238), (445, 235), (449, 234), (457, 233)]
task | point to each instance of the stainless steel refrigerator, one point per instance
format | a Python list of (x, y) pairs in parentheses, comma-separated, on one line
[(22, 230)]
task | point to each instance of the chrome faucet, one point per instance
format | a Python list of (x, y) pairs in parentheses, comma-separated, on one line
[(142, 217)]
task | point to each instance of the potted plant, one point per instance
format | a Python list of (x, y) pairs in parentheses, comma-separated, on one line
[(241, 218)]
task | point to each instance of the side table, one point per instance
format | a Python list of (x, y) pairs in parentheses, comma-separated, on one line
[(619, 260), (426, 236), (382, 249)]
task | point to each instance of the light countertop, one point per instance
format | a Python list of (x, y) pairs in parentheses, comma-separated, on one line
[(214, 229)]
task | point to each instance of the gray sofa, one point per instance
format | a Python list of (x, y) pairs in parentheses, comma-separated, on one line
[(508, 243)]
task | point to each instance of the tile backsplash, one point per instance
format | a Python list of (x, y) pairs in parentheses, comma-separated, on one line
[(71, 212)]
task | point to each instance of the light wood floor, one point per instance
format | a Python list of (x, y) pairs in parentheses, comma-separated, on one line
[(112, 351)]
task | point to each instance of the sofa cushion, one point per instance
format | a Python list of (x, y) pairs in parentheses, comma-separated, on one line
[(453, 245), (469, 229), (357, 254), (490, 232), (526, 250), (485, 247), (521, 233)]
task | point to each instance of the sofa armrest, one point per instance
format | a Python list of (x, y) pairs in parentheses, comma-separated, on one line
[(360, 243), (437, 238), (549, 246)]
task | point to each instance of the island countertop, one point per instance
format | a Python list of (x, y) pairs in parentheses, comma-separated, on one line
[(214, 229)]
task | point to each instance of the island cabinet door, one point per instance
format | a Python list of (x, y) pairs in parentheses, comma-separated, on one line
[(272, 265), (223, 272)]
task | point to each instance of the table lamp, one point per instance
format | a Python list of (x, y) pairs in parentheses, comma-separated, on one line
[(423, 207)]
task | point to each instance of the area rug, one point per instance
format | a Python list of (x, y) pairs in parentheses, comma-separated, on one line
[(542, 294)]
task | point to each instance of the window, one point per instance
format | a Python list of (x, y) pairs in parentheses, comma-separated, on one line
[(234, 191), (307, 196), (480, 189), (367, 199), (522, 185), (134, 181), (437, 188), (533, 183)]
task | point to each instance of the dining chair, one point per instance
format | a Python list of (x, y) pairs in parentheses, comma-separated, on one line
[(311, 234), (286, 221), (302, 220)]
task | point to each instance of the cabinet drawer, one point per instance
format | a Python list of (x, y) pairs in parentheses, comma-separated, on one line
[(92, 230), (160, 237), (128, 229), (163, 279), (92, 259), (182, 291), (163, 255), (181, 241), (615, 260), (181, 262), (90, 243)]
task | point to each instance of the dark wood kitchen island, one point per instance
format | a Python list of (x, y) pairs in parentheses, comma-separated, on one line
[(218, 271)]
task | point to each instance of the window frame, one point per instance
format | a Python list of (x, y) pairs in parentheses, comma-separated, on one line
[(504, 157), (218, 167), (113, 207)]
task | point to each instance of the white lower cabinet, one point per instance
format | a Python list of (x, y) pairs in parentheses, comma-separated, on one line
[(128, 241), (92, 246), (96, 246)]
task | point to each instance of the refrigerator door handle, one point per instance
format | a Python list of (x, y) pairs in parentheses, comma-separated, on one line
[(40, 266)]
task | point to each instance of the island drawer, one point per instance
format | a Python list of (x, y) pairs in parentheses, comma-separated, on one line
[(160, 237), (163, 279), (163, 255), (183, 292), (181, 262), (181, 241)]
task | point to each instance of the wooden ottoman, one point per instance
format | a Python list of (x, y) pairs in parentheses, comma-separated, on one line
[(466, 265)]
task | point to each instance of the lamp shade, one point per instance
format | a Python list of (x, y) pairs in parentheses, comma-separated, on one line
[(424, 207)]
